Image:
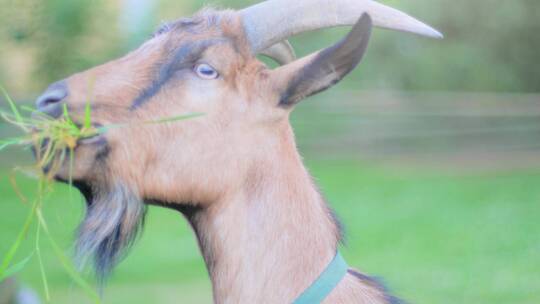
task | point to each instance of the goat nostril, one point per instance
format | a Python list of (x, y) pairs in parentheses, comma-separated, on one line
[(51, 101), (48, 101), (49, 98)]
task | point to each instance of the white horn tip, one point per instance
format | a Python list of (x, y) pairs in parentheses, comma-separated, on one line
[(421, 29), (391, 18), (432, 33), (425, 30)]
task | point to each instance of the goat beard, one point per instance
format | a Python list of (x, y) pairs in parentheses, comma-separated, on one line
[(114, 217)]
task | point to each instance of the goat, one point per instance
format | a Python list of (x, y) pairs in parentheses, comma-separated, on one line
[(264, 230)]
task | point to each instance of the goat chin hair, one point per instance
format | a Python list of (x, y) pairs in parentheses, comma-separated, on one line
[(114, 217)]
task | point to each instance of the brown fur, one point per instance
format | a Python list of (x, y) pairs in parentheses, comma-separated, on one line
[(264, 229)]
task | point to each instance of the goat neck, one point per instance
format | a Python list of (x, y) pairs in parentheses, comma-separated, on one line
[(268, 241)]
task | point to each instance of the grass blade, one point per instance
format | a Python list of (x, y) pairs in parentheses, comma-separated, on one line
[(67, 118), (18, 192), (30, 109), (41, 266), (18, 241), (105, 129), (8, 142), (174, 118), (14, 141), (70, 269), (71, 164), (87, 116), (12, 105), (12, 119), (15, 268)]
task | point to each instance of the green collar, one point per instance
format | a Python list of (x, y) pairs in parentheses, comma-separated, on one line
[(327, 281)]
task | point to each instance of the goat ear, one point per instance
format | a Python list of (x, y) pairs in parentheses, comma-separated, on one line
[(318, 72)]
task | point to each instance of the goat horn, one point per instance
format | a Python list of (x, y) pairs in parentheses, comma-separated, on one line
[(271, 21), (282, 52)]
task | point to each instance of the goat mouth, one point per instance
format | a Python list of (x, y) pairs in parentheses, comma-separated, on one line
[(92, 140), (94, 137)]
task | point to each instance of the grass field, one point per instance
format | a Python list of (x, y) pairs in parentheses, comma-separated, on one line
[(434, 237)]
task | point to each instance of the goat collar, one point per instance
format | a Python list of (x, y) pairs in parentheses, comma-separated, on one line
[(327, 281)]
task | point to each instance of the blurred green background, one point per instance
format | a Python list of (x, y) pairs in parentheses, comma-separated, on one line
[(429, 151)]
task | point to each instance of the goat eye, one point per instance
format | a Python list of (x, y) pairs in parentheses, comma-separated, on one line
[(205, 71)]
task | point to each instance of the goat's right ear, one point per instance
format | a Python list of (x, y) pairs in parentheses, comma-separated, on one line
[(320, 71)]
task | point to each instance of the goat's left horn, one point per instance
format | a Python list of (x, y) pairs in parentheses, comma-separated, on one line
[(272, 21)]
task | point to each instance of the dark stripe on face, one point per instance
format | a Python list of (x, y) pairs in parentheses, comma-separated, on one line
[(184, 58)]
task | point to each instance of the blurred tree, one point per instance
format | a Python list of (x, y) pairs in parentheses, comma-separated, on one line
[(487, 47), (63, 24), (56, 35)]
